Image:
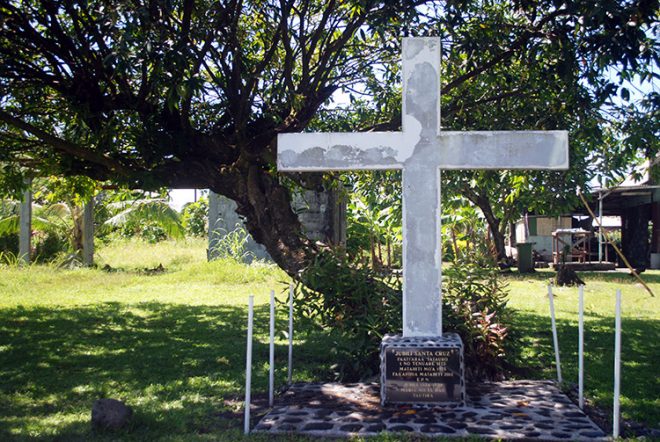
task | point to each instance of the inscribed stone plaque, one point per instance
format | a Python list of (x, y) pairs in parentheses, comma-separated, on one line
[(422, 370), (422, 374)]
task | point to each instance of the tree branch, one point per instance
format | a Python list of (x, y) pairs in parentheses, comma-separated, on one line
[(64, 146), (517, 44)]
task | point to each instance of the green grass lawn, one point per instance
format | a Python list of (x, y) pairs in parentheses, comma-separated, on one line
[(172, 344), (640, 383)]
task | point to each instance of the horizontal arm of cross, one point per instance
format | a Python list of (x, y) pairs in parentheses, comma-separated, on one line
[(503, 150), (448, 150), (308, 152)]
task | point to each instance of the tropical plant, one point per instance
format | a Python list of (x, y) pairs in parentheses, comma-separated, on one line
[(193, 94), (357, 314), (355, 305), (463, 227), (374, 217), (194, 217), (150, 218), (51, 233), (475, 306), (232, 245)]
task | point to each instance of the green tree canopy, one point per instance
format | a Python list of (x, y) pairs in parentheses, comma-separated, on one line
[(188, 93)]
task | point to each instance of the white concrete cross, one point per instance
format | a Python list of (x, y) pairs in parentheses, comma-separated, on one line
[(420, 150)]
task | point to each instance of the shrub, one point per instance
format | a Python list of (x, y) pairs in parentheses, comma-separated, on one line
[(194, 217), (48, 245), (9, 243), (357, 306), (147, 230), (474, 300), (232, 245), (152, 232)]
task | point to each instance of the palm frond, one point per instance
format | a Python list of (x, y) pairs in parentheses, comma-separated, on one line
[(9, 225), (60, 210), (155, 210)]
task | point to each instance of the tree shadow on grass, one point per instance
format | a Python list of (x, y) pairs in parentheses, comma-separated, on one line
[(640, 387), (173, 363)]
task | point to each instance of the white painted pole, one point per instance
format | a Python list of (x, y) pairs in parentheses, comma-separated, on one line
[(617, 365), (271, 363), (25, 223), (88, 233), (600, 227), (248, 365), (581, 346), (554, 333), (290, 367)]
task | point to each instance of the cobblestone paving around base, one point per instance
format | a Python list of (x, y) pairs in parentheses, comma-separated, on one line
[(509, 410)]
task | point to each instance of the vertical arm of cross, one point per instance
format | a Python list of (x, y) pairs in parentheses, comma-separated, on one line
[(422, 308)]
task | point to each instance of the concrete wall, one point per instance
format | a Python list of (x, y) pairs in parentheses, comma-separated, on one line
[(223, 220), (322, 214)]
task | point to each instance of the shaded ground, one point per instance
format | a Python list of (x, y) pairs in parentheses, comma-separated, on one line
[(174, 364), (172, 345), (508, 410)]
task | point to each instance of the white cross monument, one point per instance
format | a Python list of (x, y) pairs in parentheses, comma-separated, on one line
[(420, 150)]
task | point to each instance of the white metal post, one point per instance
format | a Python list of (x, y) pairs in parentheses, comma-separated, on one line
[(554, 333), (617, 365), (290, 367), (271, 359), (600, 227), (581, 346), (248, 365), (25, 222), (88, 233)]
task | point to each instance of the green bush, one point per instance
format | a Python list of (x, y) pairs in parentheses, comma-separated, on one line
[(194, 217), (474, 306), (152, 232), (232, 245), (147, 230), (357, 306), (9, 243), (47, 245)]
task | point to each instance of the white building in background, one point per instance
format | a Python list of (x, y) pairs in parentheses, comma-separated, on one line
[(537, 229)]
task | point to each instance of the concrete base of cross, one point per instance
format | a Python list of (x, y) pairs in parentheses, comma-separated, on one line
[(422, 370)]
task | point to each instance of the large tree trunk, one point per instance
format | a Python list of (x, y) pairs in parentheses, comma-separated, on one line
[(266, 206), (494, 223), (246, 176)]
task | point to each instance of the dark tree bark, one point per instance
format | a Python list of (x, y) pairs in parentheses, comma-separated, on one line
[(635, 235), (496, 226)]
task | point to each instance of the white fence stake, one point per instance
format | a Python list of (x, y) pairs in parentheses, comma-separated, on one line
[(554, 333), (581, 346), (290, 367), (248, 365), (617, 365), (271, 360)]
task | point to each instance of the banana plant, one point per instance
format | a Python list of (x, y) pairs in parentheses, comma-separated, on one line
[(136, 211)]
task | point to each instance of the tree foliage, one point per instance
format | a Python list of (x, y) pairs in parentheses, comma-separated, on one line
[(190, 93)]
